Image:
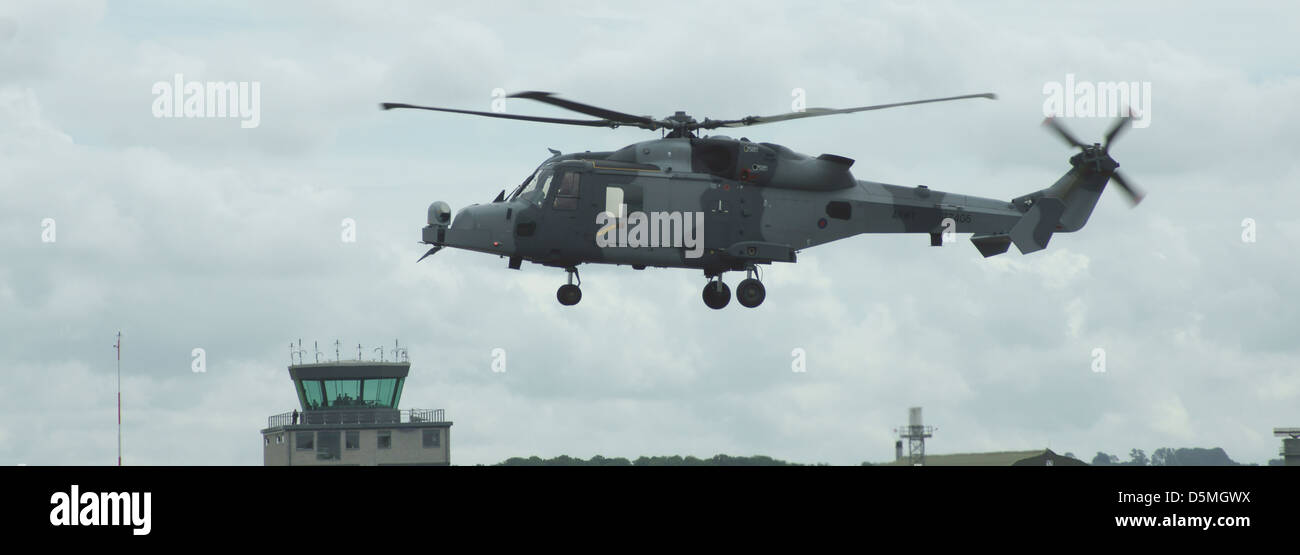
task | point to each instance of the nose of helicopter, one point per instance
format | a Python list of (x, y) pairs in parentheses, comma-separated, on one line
[(478, 227)]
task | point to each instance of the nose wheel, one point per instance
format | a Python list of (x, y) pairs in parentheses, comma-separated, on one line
[(569, 294)]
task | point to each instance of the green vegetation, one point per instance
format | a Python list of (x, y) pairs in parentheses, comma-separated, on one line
[(675, 460), (1166, 456), (1163, 456)]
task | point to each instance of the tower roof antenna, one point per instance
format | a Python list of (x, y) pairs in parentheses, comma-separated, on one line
[(915, 432)]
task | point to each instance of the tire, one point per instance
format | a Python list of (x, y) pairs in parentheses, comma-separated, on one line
[(568, 294), (716, 295), (750, 293)]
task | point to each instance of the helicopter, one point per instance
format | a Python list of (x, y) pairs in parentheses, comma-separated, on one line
[(718, 204)]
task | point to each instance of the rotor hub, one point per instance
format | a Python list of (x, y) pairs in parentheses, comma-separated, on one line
[(1094, 158)]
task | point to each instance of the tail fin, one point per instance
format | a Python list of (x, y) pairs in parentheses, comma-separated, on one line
[(1065, 206)]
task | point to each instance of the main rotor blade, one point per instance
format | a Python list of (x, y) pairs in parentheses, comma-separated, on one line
[(1115, 130), (815, 112), (595, 111), (1060, 130), (584, 122), (1135, 196)]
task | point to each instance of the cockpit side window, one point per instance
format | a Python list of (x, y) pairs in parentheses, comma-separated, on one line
[(566, 196)]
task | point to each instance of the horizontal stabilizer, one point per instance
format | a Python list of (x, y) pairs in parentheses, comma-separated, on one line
[(991, 245)]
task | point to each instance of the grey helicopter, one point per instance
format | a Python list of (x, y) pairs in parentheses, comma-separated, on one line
[(718, 204)]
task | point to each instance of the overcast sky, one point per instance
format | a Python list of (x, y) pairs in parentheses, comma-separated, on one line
[(189, 233)]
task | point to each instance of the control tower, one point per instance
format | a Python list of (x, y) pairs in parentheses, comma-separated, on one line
[(348, 415), (915, 433), (1290, 446)]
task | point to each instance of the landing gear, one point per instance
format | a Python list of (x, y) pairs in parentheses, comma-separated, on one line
[(717, 294), (751, 293), (569, 294)]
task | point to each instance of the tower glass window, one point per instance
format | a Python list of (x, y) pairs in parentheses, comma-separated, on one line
[(350, 393)]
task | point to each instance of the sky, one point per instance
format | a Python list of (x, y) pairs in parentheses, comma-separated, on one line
[(201, 233)]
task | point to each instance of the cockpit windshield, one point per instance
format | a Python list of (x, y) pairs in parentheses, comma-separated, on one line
[(520, 188), (539, 181)]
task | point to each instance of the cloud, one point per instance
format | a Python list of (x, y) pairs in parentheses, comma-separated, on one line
[(196, 233)]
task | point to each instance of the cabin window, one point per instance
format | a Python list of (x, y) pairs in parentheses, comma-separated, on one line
[(614, 200), (839, 210)]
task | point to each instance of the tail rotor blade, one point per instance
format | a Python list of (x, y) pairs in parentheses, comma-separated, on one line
[(1116, 130), (1134, 195), (1062, 132)]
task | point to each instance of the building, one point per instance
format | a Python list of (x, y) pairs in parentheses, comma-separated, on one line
[(1041, 457), (348, 415), (1290, 445)]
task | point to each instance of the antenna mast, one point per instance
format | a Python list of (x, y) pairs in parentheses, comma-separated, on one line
[(118, 347)]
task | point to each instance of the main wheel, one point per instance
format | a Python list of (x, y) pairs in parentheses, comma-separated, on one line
[(569, 294), (751, 293), (716, 294)]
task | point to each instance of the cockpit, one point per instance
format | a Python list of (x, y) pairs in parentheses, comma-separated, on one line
[(535, 187)]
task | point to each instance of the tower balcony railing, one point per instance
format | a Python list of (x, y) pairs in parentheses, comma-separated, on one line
[(356, 416)]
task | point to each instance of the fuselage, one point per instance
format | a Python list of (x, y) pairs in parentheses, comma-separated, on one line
[(715, 204)]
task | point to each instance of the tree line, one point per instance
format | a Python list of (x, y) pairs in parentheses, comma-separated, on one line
[(1164, 456), (675, 460)]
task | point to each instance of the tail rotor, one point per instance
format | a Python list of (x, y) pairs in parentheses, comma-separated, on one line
[(1096, 157)]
